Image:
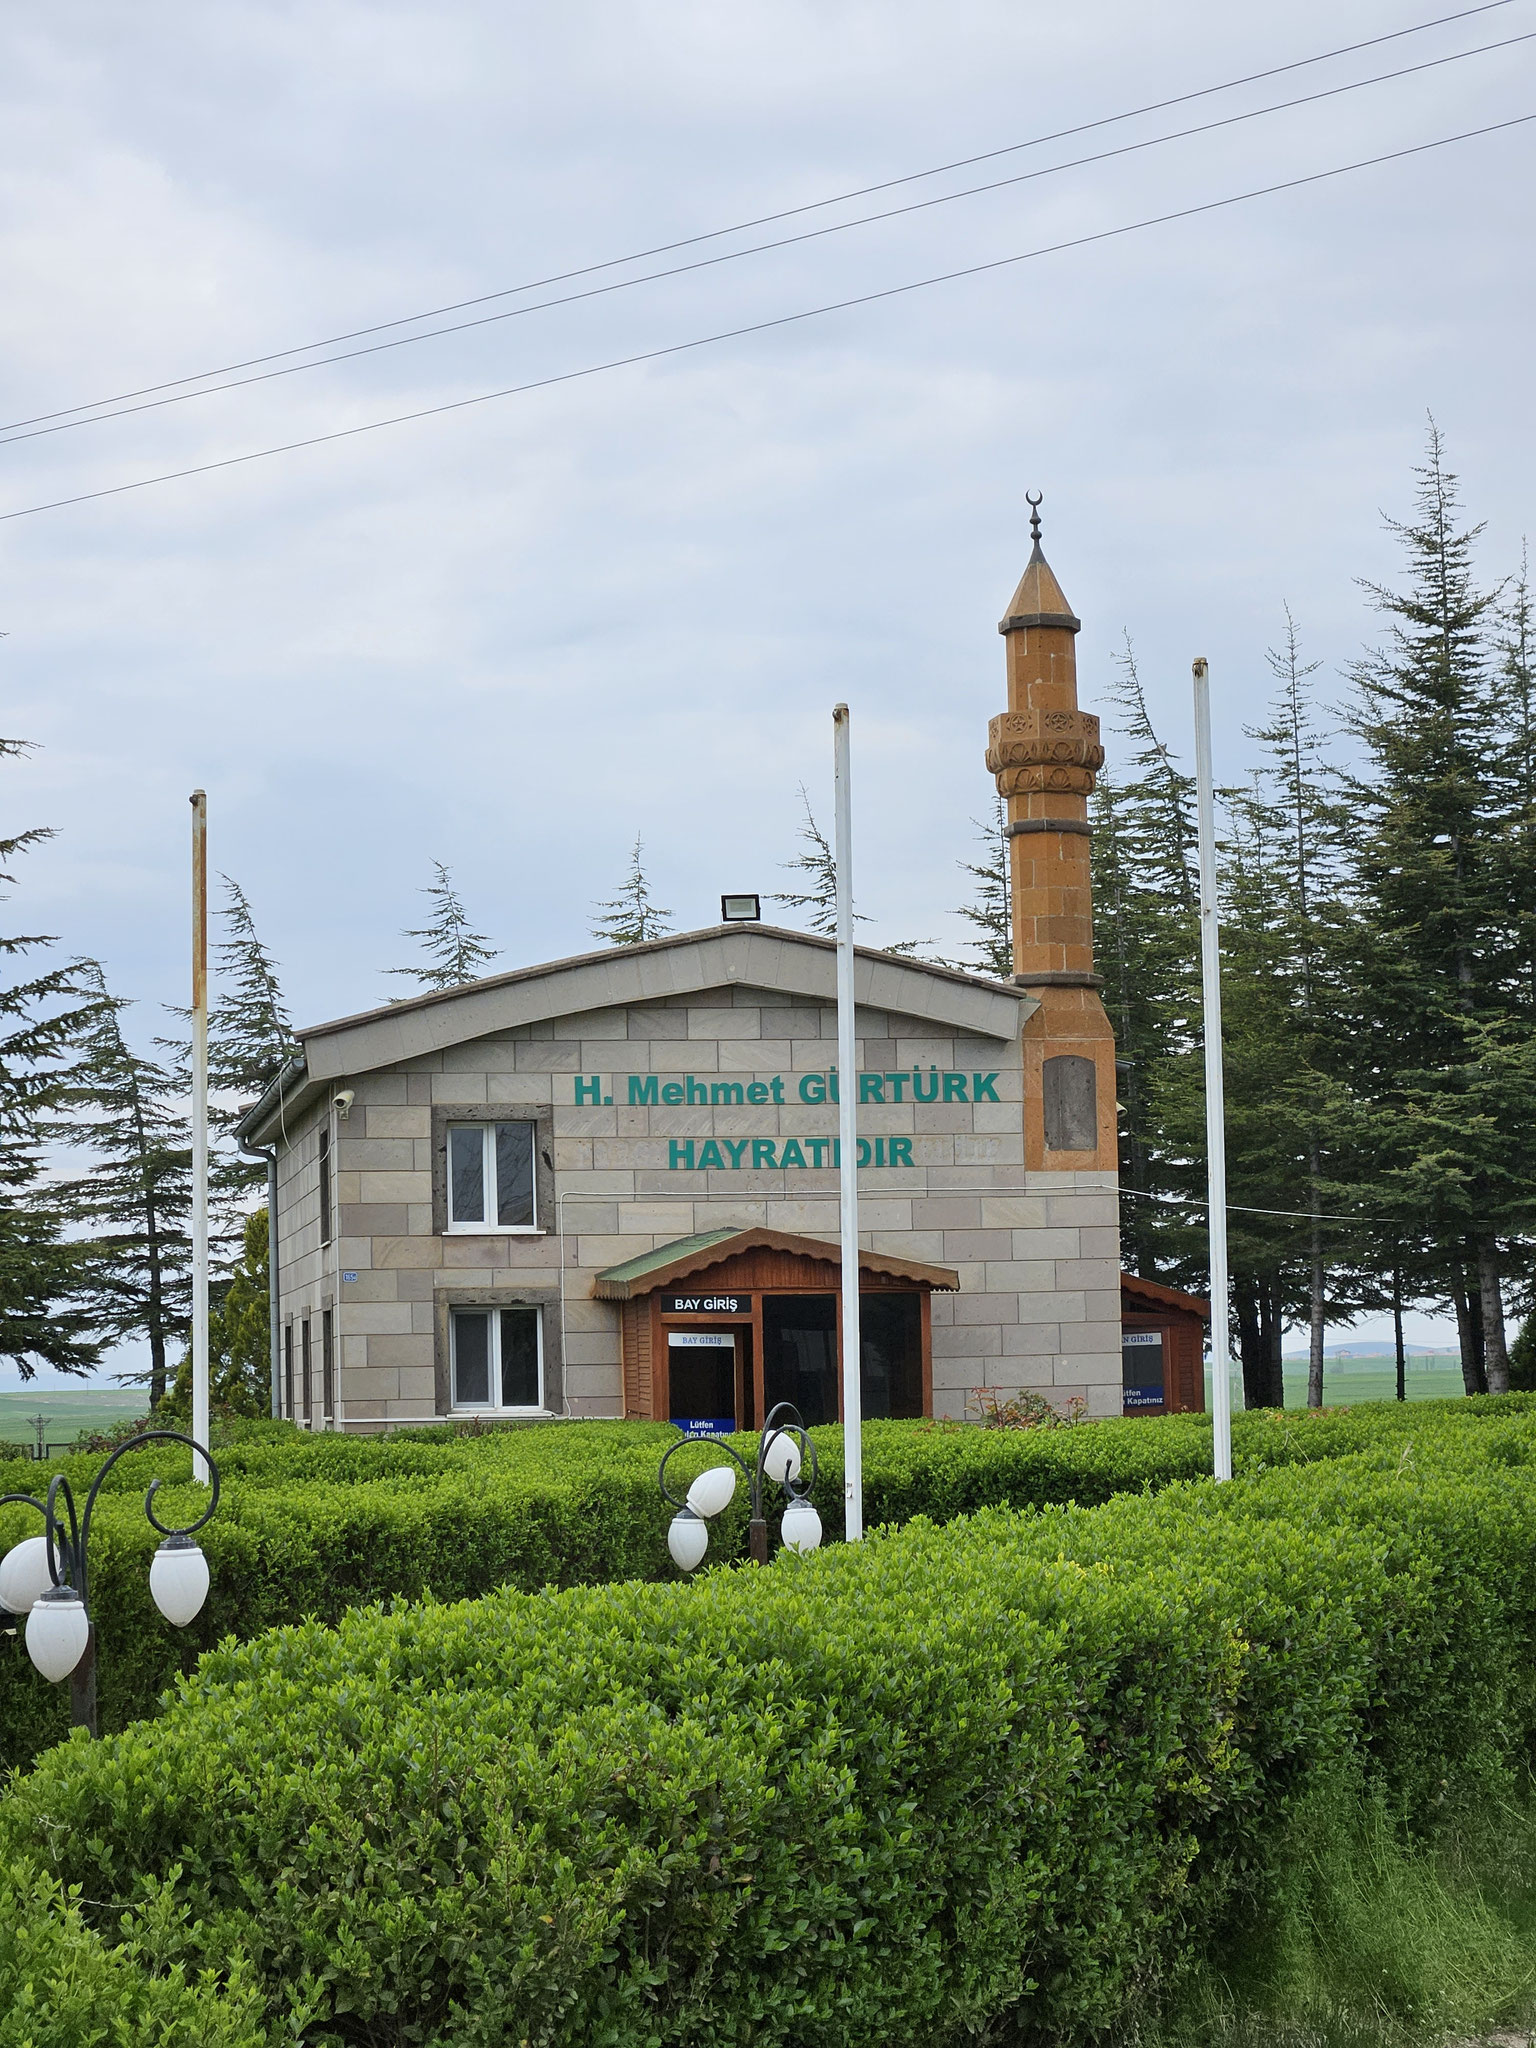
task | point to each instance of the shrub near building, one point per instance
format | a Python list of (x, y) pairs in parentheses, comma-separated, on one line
[(1008, 1775), (312, 1525)]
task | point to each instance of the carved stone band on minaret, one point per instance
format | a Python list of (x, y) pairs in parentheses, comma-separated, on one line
[(1033, 751)]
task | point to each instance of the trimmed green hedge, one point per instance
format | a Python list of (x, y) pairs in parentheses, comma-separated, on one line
[(1002, 1778), (63, 1986), (311, 1525)]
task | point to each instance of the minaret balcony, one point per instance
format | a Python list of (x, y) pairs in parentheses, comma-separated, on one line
[(1033, 740)]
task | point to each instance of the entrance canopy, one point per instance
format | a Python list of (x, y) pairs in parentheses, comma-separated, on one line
[(719, 1328), (687, 1258)]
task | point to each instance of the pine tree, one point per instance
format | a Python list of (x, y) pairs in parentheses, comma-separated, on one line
[(631, 918), (250, 1034), (250, 1039), (1436, 932), (1309, 829), (40, 1017), (456, 953), (131, 1207), (990, 910), (1514, 690), (239, 1322), (1147, 945), (818, 863)]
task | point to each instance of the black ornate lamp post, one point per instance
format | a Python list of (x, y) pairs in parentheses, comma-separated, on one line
[(47, 1577), (785, 1455)]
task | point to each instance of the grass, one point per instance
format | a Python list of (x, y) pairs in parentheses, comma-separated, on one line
[(1376, 1940), (1344, 1386), (1349, 1386), (67, 1413)]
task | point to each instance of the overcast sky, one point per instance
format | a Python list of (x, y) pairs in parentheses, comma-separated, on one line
[(513, 636)]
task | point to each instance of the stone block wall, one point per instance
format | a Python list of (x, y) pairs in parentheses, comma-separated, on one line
[(1037, 1253)]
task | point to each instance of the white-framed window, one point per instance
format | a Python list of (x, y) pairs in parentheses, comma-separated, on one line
[(497, 1359), (491, 1177)]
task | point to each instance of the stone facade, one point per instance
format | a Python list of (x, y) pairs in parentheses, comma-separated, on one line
[(748, 1013), (686, 1086)]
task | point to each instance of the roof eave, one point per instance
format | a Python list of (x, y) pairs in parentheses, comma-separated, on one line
[(607, 1288)]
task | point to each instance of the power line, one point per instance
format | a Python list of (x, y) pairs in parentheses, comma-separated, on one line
[(33, 431), (764, 326), (767, 219), (1247, 1209)]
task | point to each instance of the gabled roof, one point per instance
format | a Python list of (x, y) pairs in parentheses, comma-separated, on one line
[(685, 964), (686, 1256)]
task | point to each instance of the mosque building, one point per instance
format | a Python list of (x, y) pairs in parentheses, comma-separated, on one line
[(607, 1186)]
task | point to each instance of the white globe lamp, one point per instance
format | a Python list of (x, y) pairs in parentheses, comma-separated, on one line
[(687, 1539), (712, 1490), (801, 1527), (781, 1460), (178, 1580), (57, 1632), (24, 1575)]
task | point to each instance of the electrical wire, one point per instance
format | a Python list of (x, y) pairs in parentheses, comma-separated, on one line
[(678, 348), (1247, 1209), (768, 219), (33, 432)]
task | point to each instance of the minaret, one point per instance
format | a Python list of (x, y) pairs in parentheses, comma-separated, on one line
[(1045, 754)]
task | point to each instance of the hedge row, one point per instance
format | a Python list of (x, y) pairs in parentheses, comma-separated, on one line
[(995, 1780), (62, 1985), (309, 1526)]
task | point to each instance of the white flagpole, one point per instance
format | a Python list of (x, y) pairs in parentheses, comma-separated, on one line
[(848, 1142), (200, 1130), (1215, 1092)]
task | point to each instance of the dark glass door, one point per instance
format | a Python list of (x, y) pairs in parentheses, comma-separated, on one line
[(891, 1339), (701, 1375), (800, 1354), (1141, 1371)]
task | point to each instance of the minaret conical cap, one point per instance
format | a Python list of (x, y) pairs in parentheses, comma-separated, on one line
[(1039, 599)]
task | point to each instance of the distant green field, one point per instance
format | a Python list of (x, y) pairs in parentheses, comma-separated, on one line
[(67, 1413), (1352, 1381), (1349, 1381)]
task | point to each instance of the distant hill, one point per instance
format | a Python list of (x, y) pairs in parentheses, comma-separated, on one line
[(1372, 1347)]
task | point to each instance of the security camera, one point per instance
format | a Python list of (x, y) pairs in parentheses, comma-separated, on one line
[(344, 1099)]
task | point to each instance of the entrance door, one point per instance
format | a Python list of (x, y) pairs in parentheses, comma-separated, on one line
[(701, 1372), (1141, 1371), (891, 1338), (800, 1354)]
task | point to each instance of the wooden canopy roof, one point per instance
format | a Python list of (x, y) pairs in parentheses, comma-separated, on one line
[(1148, 1296), (685, 1257)]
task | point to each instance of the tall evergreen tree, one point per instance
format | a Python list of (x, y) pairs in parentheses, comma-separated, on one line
[(131, 1207), (632, 917), (40, 1016), (239, 1360), (455, 951), (1147, 946), (990, 910), (1435, 929), (250, 1034), (1310, 1108), (250, 1038), (818, 863), (1514, 691)]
